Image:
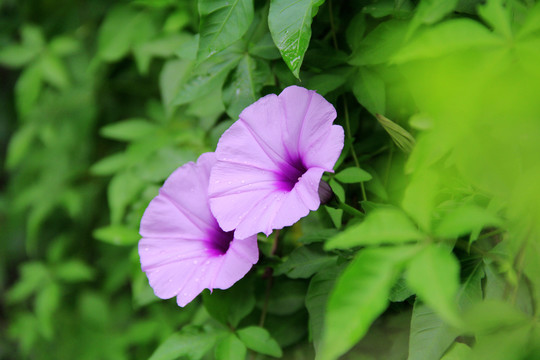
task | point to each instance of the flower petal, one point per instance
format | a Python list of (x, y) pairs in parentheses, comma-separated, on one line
[(183, 249)]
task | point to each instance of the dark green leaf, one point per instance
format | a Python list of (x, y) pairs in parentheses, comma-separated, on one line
[(304, 261), (258, 339), (232, 305), (223, 22), (381, 226), (287, 297), (370, 90), (290, 26)]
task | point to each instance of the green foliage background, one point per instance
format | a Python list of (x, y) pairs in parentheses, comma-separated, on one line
[(430, 248)]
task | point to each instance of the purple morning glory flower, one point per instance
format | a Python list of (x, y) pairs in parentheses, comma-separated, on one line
[(183, 250), (271, 160)]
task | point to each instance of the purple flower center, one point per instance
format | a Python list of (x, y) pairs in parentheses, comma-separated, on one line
[(220, 242), (290, 174)]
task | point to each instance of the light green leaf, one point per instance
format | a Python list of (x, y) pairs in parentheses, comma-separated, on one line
[(359, 297), (245, 85), (258, 339), (381, 226), (531, 23), (401, 137), (32, 36), (33, 276), (164, 46), (63, 45), (434, 275), (445, 38), (458, 351), (223, 22), (304, 261), (128, 130), (430, 335), (480, 317), (188, 345), (117, 235), (353, 175), (230, 348), (123, 187), (46, 303), (419, 198), (463, 220), (335, 214), (496, 14), (431, 11), (337, 189), (290, 26), (370, 90)]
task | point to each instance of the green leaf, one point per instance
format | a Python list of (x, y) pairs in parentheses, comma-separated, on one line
[(27, 89), (370, 90), (258, 339), (232, 305), (316, 299), (479, 317), (264, 48), (335, 214), (305, 261), (63, 45), (290, 26), (381, 226), (445, 38), (207, 77), (531, 23), (33, 276), (128, 130), (222, 23), (244, 88), (109, 165), (419, 198), (74, 271), (353, 175), (359, 297), (380, 44), (230, 348), (337, 189), (192, 346), (122, 188), (464, 220), (287, 297), (54, 71), (16, 56), (401, 137), (430, 335), (327, 82), (46, 303), (431, 11), (458, 351), (164, 46), (498, 16), (20, 144), (117, 235), (434, 275)]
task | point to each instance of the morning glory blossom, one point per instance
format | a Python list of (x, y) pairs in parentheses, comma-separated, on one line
[(271, 160), (183, 250)]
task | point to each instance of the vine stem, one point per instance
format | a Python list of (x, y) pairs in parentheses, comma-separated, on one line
[(268, 272), (353, 152)]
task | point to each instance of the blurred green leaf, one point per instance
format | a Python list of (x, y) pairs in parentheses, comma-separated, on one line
[(434, 275), (458, 351), (64, 45), (335, 214), (431, 11), (497, 15), (353, 175), (17, 55), (381, 226), (164, 46), (33, 276), (286, 297), (74, 271), (117, 235), (401, 137), (290, 26), (419, 198), (304, 261), (359, 297), (222, 23), (27, 89), (19, 145), (370, 90), (109, 165), (46, 303), (121, 191), (230, 348), (128, 130), (54, 71), (258, 339), (463, 220), (192, 346)]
